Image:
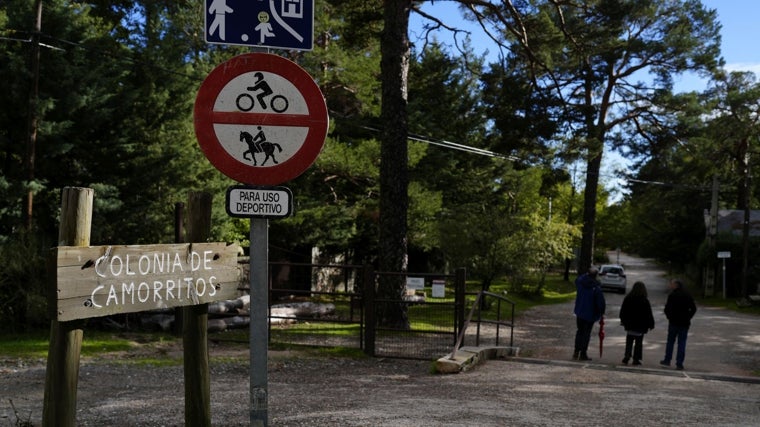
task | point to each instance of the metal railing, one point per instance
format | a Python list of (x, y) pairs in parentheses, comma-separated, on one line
[(498, 322)]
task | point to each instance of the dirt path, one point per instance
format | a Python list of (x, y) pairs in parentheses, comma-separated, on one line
[(545, 389)]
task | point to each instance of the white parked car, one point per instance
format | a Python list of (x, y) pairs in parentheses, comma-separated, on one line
[(612, 276)]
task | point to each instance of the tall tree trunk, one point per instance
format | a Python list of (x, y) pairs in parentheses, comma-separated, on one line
[(745, 193), (33, 119), (394, 179), (593, 167), (595, 147)]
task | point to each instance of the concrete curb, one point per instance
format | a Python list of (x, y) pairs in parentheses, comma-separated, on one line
[(468, 357), (707, 376)]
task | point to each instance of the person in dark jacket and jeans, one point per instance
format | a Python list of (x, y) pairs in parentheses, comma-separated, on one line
[(679, 309), (637, 319), (589, 308)]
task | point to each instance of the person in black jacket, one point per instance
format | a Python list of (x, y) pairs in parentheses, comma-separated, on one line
[(637, 319), (679, 309)]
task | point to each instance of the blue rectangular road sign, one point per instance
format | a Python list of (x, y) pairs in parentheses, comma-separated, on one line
[(281, 24)]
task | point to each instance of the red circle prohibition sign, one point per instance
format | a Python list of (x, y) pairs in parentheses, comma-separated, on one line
[(232, 106)]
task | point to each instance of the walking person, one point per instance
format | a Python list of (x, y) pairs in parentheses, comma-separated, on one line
[(679, 309), (637, 319), (589, 308)]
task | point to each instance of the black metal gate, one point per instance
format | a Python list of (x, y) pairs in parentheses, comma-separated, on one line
[(433, 317), (434, 311)]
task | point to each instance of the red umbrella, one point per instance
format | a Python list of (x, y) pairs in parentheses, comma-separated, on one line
[(601, 336)]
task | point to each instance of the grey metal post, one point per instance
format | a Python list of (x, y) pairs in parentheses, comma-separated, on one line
[(724, 278), (259, 339)]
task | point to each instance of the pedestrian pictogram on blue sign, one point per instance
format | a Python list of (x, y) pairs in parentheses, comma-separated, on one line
[(281, 24)]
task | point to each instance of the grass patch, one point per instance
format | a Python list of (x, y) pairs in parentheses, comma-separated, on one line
[(151, 349), (525, 296), (309, 327), (318, 351), (35, 345), (146, 361), (730, 304)]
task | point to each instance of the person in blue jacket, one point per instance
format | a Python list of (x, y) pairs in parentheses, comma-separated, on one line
[(589, 308)]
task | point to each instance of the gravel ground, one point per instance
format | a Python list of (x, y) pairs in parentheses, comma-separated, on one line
[(542, 387)]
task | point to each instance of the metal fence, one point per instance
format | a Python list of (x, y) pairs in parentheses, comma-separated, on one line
[(434, 315), (316, 304), (337, 305)]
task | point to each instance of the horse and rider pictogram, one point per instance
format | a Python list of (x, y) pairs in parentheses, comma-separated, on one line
[(259, 144)]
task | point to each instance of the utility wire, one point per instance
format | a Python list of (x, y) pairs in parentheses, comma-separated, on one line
[(100, 52), (449, 144), (461, 147), (667, 184)]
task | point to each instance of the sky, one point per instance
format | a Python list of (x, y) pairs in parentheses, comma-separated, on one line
[(740, 48), (739, 45)]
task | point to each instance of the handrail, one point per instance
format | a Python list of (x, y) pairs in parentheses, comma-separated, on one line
[(498, 321), (466, 325)]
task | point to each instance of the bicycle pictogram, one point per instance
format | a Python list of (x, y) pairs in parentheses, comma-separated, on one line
[(247, 102)]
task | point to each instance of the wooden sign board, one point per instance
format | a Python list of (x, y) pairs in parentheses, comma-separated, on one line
[(99, 281)]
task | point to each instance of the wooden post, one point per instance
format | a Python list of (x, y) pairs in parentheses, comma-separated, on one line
[(195, 320), (62, 371), (179, 237)]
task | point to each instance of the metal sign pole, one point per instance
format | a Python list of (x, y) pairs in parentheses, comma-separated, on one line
[(259, 339), (724, 278)]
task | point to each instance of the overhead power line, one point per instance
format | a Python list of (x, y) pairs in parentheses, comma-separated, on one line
[(461, 147), (668, 184), (452, 145)]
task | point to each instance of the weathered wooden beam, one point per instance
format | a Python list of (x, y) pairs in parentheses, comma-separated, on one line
[(105, 280), (195, 318), (62, 371)]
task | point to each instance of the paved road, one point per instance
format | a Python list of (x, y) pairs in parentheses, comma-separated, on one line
[(720, 341)]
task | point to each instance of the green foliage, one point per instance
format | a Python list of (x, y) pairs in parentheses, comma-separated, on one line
[(507, 233), (617, 227), (117, 84), (588, 57), (23, 278), (715, 134)]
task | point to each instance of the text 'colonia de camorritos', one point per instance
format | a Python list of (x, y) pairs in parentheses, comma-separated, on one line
[(157, 277)]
